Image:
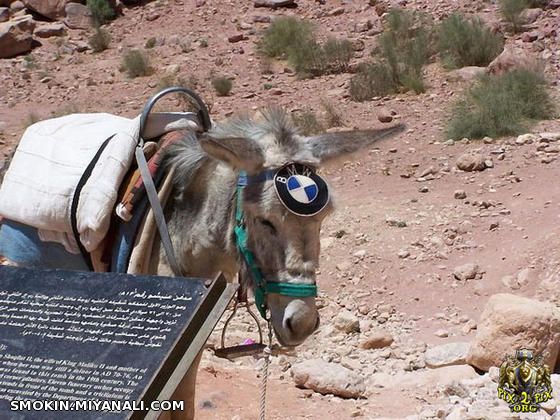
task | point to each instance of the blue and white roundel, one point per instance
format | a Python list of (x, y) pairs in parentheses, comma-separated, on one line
[(302, 188)]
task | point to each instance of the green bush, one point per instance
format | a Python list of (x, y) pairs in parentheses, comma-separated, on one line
[(101, 11), (222, 85), (333, 117), (372, 79), (150, 43), (307, 123), (338, 53), (405, 48), (467, 42), (294, 40), (284, 35), (501, 105), (511, 12), (100, 40), (136, 64)]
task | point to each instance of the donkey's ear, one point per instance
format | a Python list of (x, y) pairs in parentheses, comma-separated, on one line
[(238, 152), (332, 145)]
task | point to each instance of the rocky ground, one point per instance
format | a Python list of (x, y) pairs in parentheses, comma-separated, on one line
[(431, 238)]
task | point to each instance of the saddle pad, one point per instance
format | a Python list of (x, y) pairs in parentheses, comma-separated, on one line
[(39, 185)]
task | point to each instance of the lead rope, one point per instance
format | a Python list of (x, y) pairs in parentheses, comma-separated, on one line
[(264, 377)]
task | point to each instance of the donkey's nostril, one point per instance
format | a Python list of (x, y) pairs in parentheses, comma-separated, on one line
[(289, 324)]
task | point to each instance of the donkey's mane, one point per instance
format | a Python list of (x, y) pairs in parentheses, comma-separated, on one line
[(270, 120), (188, 157)]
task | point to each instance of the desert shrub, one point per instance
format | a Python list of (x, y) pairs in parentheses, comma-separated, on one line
[(101, 11), (222, 85), (372, 79), (284, 35), (333, 117), (501, 105), (29, 62), (294, 40), (511, 12), (405, 48), (100, 40), (467, 42), (338, 53), (150, 43), (307, 123), (136, 64), (203, 42)]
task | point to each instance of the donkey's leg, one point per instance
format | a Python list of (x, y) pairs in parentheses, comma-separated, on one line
[(185, 392)]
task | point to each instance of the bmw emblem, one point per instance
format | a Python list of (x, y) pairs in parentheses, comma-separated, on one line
[(300, 189)]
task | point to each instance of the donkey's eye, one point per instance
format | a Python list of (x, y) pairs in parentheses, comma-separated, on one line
[(268, 224)]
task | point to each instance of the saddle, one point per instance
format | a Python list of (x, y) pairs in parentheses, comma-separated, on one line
[(84, 180)]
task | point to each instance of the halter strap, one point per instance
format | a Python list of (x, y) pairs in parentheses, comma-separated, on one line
[(262, 287)]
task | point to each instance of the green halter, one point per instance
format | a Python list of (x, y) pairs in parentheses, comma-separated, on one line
[(261, 286)]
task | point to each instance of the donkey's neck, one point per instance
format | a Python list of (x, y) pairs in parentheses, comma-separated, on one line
[(201, 219)]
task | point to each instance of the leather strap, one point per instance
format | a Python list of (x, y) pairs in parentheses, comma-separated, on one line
[(76, 200), (158, 211)]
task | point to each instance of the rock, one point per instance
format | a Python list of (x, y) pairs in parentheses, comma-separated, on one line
[(460, 194), (236, 38), (347, 322), (273, 4), (511, 322), (78, 16), (466, 271), (16, 36), (46, 30), (384, 116), (470, 162), (442, 333), (529, 16), (4, 14), (530, 36), (377, 340), (358, 45), (467, 74), (52, 9), (423, 379), (328, 378), (526, 139), (513, 58), (447, 355)]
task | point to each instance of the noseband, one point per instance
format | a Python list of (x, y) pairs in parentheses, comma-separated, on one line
[(262, 287)]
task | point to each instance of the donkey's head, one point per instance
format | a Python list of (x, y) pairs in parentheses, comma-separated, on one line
[(284, 204)]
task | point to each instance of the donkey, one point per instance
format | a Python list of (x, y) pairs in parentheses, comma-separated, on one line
[(282, 231)]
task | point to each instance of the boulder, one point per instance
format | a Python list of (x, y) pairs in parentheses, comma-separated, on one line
[(78, 16), (510, 322), (422, 379), (467, 74), (529, 16), (377, 340), (470, 162), (347, 322), (273, 4), (51, 9), (328, 378), (47, 30), (447, 355), (513, 58), (16, 36), (466, 271)]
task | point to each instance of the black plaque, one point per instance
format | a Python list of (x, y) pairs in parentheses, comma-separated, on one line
[(67, 336)]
